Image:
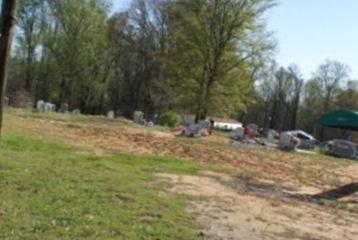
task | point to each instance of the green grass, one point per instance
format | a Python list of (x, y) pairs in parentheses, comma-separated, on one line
[(51, 191), (53, 115)]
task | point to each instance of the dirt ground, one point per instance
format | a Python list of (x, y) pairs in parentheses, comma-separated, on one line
[(266, 198), (232, 211)]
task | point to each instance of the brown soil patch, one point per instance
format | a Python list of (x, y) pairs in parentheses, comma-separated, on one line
[(228, 212)]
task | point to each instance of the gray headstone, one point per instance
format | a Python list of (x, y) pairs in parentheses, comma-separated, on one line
[(40, 106), (76, 112), (150, 124), (48, 107), (138, 117), (63, 108), (110, 115)]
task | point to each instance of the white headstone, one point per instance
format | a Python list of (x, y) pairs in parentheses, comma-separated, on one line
[(40, 105), (270, 135), (48, 107), (110, 115)]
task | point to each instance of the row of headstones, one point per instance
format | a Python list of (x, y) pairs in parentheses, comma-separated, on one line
[(42, 106)]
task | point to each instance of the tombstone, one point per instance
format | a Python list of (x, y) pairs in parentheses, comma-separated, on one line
[(271, 135), (76, 112), (288, 141), (40, 106), (48, 107), (63, 108), (238, 134), (343, 148), (110, 115), (138, 117), (150, 124)]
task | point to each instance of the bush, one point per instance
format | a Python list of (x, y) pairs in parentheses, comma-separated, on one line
[(168, 118)]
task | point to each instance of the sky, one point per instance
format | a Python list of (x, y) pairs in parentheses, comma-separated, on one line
[(310, 31)]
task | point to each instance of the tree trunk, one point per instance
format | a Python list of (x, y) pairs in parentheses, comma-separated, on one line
[(295, 113), (29, 70), (7, 22)]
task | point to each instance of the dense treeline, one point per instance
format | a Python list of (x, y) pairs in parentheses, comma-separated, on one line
[(285, 100), (202, 57)]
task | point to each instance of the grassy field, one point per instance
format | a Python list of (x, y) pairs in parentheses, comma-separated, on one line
[(87, 177), (52, 191)]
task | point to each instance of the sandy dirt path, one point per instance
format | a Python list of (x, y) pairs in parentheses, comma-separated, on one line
[(228, 212)]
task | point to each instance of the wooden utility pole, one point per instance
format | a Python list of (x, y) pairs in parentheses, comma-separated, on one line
[(7, 22)]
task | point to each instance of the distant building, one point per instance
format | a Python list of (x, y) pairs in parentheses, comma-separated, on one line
[(224, 124)]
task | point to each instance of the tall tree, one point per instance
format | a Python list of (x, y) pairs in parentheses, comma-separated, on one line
[(298, 83), (330, 75), (140, 43), (347, 98), (311, 106), (30, 26), (206, 60), (81, 53), (278, 97), (281, 98), (7, 22)]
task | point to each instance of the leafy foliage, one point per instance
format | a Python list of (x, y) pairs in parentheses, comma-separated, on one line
[(194, 56), (201, 57), (168, 118)]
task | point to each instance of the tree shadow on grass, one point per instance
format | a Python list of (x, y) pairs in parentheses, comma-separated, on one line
[(337, 193), (274, 191)]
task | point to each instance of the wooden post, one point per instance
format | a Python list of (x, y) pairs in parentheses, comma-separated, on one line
[(7, 22)]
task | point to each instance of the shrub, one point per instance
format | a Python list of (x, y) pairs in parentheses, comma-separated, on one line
[(168, 118)]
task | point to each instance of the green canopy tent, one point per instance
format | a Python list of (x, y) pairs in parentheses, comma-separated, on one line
[(342, 119)]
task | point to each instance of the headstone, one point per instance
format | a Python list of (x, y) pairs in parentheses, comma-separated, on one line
[(238, 134), (138, 117), (48, 107), (40, 106), (193, 130), (63, 108), (288, 141), (110, 115), (343, 148), (76, 112), (271, 135), (251, 130), (150, 124)]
